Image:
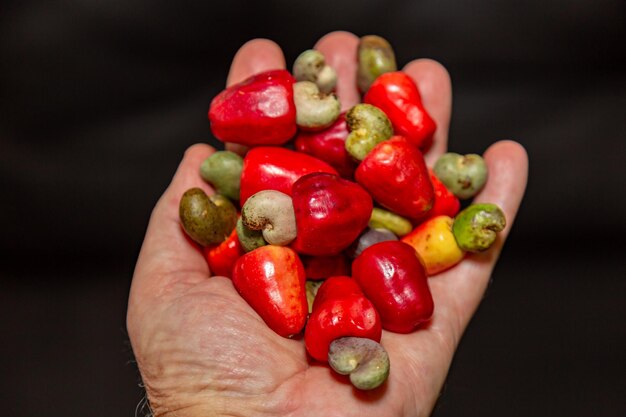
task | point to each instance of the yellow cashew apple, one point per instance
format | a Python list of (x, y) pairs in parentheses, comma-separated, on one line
[(435, 244)]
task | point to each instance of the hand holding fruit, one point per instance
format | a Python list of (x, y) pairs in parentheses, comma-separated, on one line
[(202, 350)]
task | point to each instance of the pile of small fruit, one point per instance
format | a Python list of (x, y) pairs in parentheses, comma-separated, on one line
[(330, 223)]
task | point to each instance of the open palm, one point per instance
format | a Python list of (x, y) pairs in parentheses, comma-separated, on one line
[(202, 350)]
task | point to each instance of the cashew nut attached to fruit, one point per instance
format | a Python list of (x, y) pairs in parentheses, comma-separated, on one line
[(206, 219), (314, 110), (463, 175), (311, 65), (365, 360), (375, 57), (368, 126), (272, 212), (476, 226)]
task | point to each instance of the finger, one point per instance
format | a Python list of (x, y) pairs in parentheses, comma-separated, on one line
[(166, 248), (435, 87), (255, 56), (458, 291), (339, 49)]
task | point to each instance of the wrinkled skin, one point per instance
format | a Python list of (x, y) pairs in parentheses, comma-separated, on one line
[(203, 351)]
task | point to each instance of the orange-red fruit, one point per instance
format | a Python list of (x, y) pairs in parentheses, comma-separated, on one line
[(435, 244), (271, 279)]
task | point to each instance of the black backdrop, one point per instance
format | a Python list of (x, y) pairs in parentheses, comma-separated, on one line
[(98, 101)]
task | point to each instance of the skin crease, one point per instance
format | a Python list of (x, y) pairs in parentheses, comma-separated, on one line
[(202, 350)]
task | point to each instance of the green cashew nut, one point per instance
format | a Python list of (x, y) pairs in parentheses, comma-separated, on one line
[(368, 126), (463, 175), (208, 220), (272, 212), (375, 57), (365, 360), (314, 110), (223, 171), (384, 219), (476, 226), (249, 239), (310, 65)]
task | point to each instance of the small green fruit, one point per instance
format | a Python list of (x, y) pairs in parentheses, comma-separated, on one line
[(223, 171), (311, 291), (384, 219)]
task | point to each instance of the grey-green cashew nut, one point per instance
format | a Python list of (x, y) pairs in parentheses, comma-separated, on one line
[(271, 212), (365, 360), (463, 175), (311, 65), (314, 109)]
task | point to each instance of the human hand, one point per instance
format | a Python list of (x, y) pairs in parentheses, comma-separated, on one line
[(203, 351)]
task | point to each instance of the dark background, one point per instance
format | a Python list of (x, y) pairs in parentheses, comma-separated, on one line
[(99, 99)]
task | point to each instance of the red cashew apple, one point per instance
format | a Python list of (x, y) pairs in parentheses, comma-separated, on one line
[(396, 94), (274, 168), (329, 145), (257, 111), (445, 202), (330, 212), (271, 280), (322, 267), (221, 258), (395, 174), (340, 309), (394, 280), (337, 286)]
